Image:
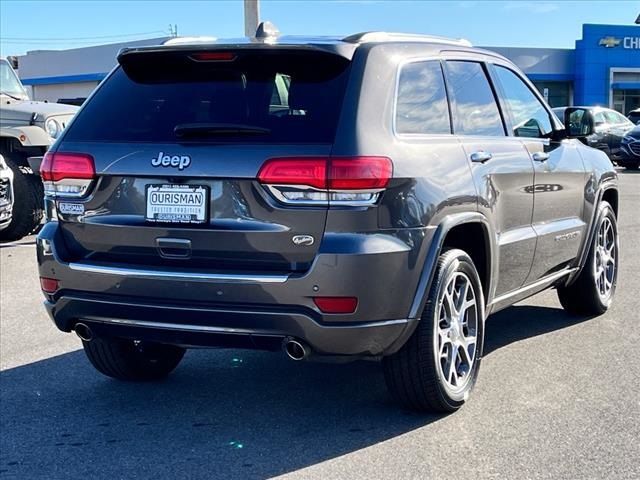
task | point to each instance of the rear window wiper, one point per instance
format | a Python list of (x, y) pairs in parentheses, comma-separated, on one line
[(217, 129)]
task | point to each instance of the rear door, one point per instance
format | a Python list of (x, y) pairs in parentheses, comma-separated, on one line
[(501, 167), (560, 178), (178, 139)]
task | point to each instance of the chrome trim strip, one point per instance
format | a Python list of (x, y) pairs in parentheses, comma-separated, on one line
[(548, 279), (178, 275), (172, 326), (214, 329)]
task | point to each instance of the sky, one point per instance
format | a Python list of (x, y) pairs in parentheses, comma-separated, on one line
[(47, 25)]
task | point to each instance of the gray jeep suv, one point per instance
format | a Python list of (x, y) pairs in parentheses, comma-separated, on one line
[(375, 196)]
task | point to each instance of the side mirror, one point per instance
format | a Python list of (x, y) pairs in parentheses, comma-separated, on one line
[(578, 122)]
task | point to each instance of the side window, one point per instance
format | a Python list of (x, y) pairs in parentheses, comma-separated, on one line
[(421, 106), (530, 118), (598, 119), (475, 108), (615, 118)]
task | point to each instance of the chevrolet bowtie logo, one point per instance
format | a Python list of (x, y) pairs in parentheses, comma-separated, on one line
[(609, 42)]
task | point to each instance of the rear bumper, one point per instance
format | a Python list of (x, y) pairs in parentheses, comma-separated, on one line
[(243, 310), (216, 326)]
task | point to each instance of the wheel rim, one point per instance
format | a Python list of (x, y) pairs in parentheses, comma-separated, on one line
[(457, 332), (604, 262)]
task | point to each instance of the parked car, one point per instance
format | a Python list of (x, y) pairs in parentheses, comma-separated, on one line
[(375, 196), (27, 129), (634, 116), (6, 194), (610, 127), (631, 150)]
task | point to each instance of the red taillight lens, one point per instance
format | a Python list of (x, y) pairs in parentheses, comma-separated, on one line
[(60, 166), (335, 173), (310, 171), (214, 56), (336, 304), (48, 285), (359, 173)]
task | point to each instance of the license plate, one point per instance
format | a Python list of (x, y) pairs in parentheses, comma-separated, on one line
[(177, 203)]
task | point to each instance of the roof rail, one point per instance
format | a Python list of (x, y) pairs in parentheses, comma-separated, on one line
[(189, 40), (367, 37)]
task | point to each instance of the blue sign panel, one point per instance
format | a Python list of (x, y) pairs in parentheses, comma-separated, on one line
[(602, 48)]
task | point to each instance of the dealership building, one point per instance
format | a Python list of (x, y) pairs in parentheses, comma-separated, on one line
[(602, 69)]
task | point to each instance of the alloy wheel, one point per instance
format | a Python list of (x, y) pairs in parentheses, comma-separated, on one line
[(457, 332), (605, 258)]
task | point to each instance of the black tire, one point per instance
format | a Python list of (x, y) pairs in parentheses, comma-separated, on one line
[(28, 201), (132, 361), (632, 166), (582, 297), (414, 374)]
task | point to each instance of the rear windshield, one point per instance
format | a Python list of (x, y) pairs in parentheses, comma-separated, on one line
[(273, 97)]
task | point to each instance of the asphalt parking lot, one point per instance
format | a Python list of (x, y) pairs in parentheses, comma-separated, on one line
[(558, 397)]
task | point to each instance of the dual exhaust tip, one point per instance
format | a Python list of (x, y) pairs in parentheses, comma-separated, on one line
[(294, 349)]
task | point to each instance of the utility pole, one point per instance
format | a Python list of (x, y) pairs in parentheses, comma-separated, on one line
[(251, 17)]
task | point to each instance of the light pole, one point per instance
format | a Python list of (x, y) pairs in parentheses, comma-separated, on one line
[(251, 17)]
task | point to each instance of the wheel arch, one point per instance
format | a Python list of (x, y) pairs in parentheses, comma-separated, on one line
[(607, 192), (470, 232), (450, 233)]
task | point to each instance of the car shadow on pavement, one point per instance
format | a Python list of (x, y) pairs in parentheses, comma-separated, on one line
[(223, 414), (524, 321)]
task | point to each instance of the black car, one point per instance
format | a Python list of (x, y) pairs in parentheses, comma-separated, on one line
[(609, 128), (375, 196), (634, 116), (631, 149)]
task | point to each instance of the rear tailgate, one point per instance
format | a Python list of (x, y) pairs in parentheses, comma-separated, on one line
[(177, 143)]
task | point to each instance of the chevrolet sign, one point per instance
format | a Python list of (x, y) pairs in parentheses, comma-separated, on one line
[(631, 43), (609, 42)]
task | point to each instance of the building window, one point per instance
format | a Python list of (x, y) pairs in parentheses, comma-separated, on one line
[(625, 101), (557, 94)]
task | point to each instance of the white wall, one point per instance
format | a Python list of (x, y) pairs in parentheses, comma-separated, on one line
[(52, 93), (76, 61)]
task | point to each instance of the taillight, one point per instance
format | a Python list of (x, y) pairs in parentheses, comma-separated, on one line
[(340, 180), (308, 171), (67, 174)]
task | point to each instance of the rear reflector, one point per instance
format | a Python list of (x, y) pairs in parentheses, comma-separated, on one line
[(48, 285), (60, 166), (336, 304), (328, 173), (213, 56)]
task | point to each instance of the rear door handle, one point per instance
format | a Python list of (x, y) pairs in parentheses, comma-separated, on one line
[(540, 156), (481, 156)]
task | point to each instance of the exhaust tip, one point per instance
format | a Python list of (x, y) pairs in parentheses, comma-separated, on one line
[(83, 332), (295, 350)]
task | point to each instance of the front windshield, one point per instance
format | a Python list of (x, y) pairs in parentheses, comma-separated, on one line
[(9, 82)]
